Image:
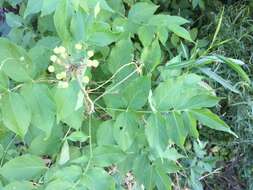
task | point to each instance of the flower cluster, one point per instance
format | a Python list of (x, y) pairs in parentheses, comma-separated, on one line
[(63, 64)]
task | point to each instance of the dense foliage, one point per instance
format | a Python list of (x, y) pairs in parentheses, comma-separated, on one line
[(109, 94)]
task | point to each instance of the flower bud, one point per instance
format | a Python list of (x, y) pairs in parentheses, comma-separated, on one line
[(57, 50), (53, 58), (63, 75), (89, 63), (59, 76), (62, 49), (78, 46), (90, 53), (95, 63), (51, 69)]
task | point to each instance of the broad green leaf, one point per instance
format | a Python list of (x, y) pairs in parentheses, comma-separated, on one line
[(156, 133), (121, 54), (15, 62), (102, 4), (190, 124), (211, 120), (180, 31), (124, 130), (65, 100), (142, 165), (43, 108), (25, 167), (4, 82), (183, 92), (105, 133), (49, 7), (162, 180), (62, 20), (33, 6), (141, 12), (75, 119), (70, 173), (98, 179), (107, 155), (172, 154), (78, 26), (78, 136), (166, 20), (65, 154), (59, 184), (176, 129), (20, 185), (102, 39), (136, 93), (16, 113), (13, 20), (151, 56), (41, 146), (146, 35)]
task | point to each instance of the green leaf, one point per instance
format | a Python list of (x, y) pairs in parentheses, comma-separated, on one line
[(151, 56), (144, 171), (78, 136), (75, 119), (237, 68), (166, 20), (211, 120), (41, 146), (20, 185), (70, 173), (15, 61), (176, 129), (107, 155), (156, 133), (49, 7), (16, 113), (102, 39), (190, 124), (162, 180), (146, 35), (136, 93), (102, 4), (180, 31), (59, 184), (33, 6), (25, 167), (219, 79), (124, 130), (141, 12), (62, 20), (65, 100), (13, 20), (105, 133), (39, 99), (78, 26), (172, 154), (183, 92), (98, 179), (65, 154), (121, 54)]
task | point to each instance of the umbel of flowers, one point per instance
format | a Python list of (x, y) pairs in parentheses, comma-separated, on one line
[(66, 66)]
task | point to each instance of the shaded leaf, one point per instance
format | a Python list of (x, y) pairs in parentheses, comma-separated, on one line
[(25, 167)]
